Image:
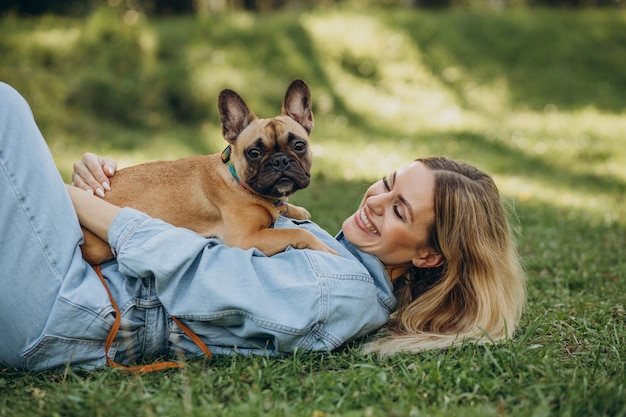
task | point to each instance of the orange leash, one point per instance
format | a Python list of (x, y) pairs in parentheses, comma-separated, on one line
[(150, 367), (205, 349)]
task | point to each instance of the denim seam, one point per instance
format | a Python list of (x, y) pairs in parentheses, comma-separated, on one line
[(320, 333), (262, 323), (102, 314), (46, 339), (21, 198)]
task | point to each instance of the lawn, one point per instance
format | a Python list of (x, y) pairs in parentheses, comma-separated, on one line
[(534, 97)]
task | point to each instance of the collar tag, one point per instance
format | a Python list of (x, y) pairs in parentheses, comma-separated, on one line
[(226, 154)]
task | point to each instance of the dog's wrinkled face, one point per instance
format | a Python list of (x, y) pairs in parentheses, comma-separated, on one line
[(273, 157)]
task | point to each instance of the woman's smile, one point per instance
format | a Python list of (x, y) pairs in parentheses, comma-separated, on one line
[(365, 223)]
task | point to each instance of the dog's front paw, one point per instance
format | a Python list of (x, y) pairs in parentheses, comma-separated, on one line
[(297, 212), (318, 245)]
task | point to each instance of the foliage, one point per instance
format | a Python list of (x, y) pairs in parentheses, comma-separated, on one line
[(188, 7), (534, 97)]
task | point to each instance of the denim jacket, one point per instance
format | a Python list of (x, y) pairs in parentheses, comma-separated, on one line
[(233, 298)]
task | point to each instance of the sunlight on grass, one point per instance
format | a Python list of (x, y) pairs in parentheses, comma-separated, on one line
[(373, 161), (589, 136), (379, 73), (597, 205)]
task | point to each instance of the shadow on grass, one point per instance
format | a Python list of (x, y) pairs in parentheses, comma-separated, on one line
[(506, 159), (545, 56)]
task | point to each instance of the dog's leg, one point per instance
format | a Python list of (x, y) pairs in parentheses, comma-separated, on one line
[(95, 250), (273, 241)]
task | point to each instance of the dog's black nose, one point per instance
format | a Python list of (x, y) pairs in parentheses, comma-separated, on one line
[(281, 161)]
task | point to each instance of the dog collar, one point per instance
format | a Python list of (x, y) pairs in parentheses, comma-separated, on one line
[(229, 164), (226, 159)]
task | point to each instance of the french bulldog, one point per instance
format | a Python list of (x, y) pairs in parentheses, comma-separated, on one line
[(237, 195)]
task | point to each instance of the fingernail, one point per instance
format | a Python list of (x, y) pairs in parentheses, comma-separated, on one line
[(109, 170), (106, 186), (99, 192), (90, 191)]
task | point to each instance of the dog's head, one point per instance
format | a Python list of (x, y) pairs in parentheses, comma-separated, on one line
[(272, 157)]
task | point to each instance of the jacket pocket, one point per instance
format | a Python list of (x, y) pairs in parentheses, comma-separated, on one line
[(58, 353)]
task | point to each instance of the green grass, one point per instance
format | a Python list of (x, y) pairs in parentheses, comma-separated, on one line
[(535, 97)]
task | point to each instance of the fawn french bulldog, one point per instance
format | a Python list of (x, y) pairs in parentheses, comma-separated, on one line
[(236, 195)]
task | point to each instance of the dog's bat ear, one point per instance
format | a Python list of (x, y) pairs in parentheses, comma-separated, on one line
[(235, 114), (297, 104)]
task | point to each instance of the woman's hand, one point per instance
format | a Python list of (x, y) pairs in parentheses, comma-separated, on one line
[(92, 173)]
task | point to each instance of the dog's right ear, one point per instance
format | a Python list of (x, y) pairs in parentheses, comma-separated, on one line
[(235, 114), (297, 104)]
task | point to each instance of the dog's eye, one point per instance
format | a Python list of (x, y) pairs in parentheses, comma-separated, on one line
[(299, 146), (254, 153)]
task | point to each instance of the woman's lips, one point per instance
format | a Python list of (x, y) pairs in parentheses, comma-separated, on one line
[(365, 222)]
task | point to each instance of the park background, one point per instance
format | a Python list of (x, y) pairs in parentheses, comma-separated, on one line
[(530, 91)]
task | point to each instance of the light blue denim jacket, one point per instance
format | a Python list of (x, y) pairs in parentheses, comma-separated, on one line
[(235, 300), (244, 300)]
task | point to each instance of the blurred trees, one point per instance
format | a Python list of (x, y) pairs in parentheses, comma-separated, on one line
[(170, 7)]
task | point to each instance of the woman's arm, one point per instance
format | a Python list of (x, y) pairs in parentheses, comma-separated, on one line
[(93, 213)]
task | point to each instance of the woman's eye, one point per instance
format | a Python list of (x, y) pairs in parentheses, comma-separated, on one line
[(397, 212)]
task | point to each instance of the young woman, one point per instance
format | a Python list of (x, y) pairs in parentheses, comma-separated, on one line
[(428, 252)]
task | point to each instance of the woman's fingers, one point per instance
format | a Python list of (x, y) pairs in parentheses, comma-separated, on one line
[(92, 173)]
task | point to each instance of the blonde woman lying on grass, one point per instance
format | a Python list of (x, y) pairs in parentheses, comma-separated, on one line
[(428, 255)]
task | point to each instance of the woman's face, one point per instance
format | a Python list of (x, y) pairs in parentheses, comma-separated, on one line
[(393, 219)]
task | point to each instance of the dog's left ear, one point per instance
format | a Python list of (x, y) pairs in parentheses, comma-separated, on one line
[(297, 104)]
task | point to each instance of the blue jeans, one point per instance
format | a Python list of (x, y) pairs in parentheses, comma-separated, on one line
[(40, 231), (41, 265)]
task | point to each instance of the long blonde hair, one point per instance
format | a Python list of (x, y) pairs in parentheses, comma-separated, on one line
[(479, 291)]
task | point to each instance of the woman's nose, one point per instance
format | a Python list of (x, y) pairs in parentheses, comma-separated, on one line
[(376, 203)]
